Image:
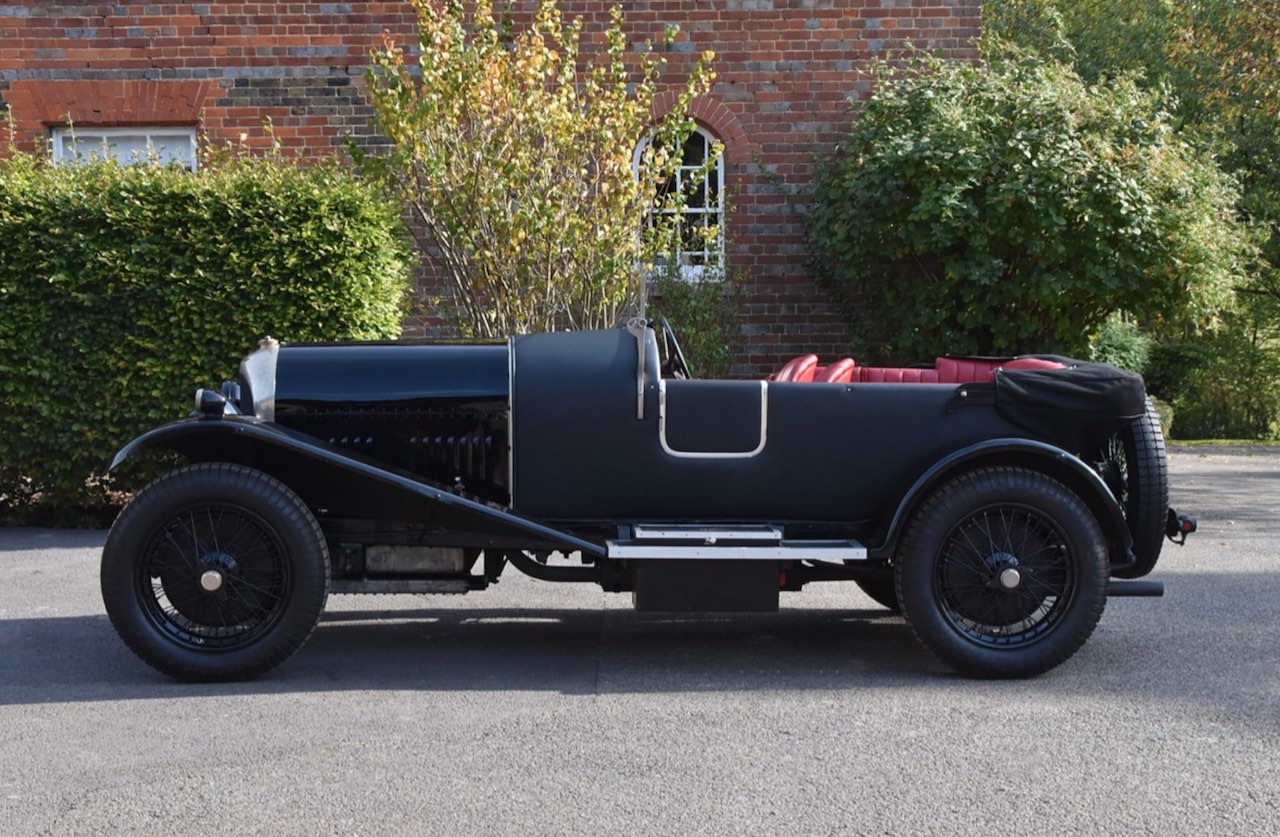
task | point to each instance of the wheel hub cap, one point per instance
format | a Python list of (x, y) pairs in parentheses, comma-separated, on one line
[(211, 581), (1010, 578)]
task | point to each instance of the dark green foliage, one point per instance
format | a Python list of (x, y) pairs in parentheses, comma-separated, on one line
[(1223, 384), (123, 288), (1099, 38), (1217, 65), (1120, 342), (703, 315), (1009, 207)]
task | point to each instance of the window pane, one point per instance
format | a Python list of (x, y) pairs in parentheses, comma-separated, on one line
[(695, 151), (691, 251), (667, 188), (172, 149), (696, 198), (128, 146), (98, 146)]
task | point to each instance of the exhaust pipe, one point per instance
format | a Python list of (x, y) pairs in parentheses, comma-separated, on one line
[(1136, 588)]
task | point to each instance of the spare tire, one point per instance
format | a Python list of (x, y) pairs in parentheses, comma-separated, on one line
[(1135, 466)]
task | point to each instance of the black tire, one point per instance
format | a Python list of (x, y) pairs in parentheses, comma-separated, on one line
[(958, 595), (1134, 465), (215, 572), (881, 590)]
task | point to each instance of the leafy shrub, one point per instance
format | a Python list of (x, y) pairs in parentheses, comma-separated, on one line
[(702, 314), (1218, 63), (1223, 384), (1009, 207), (1120, 342), (123, 287)]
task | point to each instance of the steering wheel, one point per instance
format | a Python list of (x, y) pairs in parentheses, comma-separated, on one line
[(675, 365)]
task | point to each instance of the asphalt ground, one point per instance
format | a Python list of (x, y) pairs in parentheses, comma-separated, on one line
[(535, 708)]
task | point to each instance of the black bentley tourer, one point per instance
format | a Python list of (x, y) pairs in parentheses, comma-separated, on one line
[(996, 503)]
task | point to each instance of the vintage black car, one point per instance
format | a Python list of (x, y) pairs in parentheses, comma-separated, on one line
[(996, 503)]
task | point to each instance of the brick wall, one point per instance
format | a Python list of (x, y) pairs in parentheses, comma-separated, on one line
[(785, 71), (297, 63)]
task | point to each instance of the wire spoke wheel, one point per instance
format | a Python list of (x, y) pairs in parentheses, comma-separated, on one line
[(215, 572), (214, 577), (1003, 577), (1002, 572)]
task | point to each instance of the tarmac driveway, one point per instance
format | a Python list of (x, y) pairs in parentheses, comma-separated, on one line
[(535, 708)]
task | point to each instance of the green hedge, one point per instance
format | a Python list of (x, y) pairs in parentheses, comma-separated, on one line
[(123, 288)]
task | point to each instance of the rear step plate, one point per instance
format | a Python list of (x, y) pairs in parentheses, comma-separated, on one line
[(706, 535)]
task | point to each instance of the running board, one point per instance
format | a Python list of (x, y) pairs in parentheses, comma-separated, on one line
[(399, 585), (727, 543)]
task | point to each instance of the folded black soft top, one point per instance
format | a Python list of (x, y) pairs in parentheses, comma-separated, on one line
[(1077, 407)]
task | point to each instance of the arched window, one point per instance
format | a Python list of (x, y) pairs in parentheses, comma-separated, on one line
[(701, 247)]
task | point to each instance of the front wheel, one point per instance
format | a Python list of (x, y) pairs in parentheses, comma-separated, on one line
[(1003, 573), (215, 572)]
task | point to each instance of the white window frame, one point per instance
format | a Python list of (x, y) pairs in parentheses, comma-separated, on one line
[(697, 272), (64, 139)]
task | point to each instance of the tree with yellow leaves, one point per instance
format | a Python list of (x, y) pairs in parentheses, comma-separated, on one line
[(518, 156)]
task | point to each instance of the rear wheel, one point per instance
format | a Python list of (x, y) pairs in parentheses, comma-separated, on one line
[(1003, 573), (215, 572)]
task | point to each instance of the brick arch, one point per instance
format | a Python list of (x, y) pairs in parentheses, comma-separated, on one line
[(716, 118), (37, 105)]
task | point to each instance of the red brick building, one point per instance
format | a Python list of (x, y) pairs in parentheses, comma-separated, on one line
[(140, 72)]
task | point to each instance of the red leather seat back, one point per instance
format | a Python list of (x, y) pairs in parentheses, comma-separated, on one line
[(953, 370), (799, 369), (840, 372), (806, 368), (947, 370), (891, 375)]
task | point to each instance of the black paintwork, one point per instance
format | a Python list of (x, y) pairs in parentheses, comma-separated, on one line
[(418, 436), (339, 484), (429, 468), (390, 373), (438, 411), (834, 452)]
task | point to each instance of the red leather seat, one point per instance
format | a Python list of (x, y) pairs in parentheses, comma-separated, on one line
[(963, 371), (890, 375), (947, 370), (798, 369), (840, 372)]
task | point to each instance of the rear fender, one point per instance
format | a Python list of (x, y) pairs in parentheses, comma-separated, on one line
[(1038, 456), (344, 484)]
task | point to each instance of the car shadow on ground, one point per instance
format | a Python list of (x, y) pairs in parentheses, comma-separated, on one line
[(569, 651), (1210, 644)]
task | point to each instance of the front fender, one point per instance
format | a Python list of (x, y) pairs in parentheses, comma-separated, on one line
[(1039, 456), (196, 438), (349, 485)]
